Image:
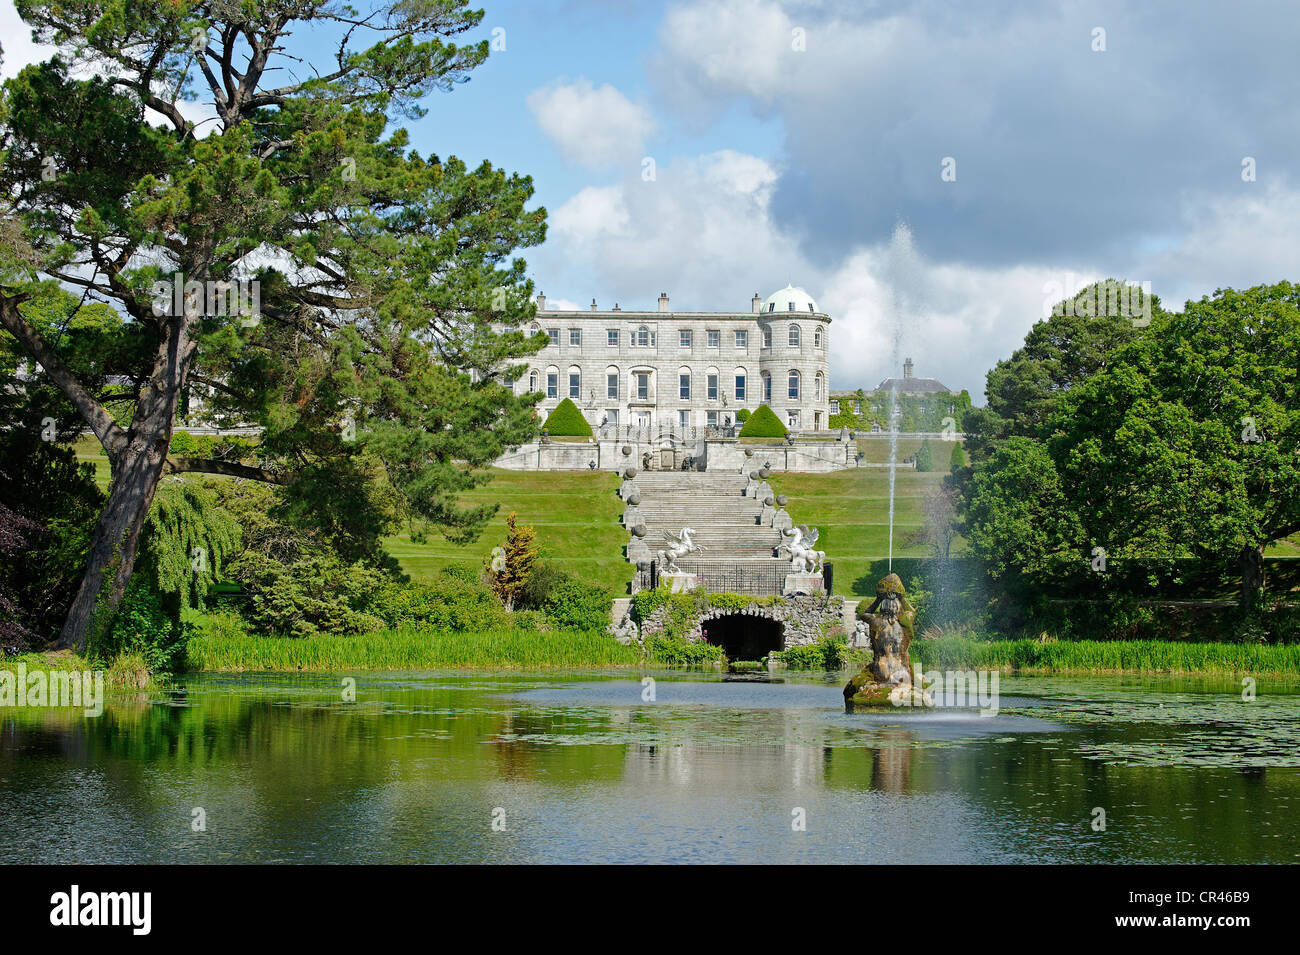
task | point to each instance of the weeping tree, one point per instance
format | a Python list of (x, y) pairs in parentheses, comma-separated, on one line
[(285, 259)]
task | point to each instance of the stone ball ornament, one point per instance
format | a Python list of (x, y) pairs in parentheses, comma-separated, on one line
[(764, 472), (753, 475), (634, 498), (638, 530), (782, 500)]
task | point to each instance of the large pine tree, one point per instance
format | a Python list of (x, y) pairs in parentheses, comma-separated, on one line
[(376, 356)]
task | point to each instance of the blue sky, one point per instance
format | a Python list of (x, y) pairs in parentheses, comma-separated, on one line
[(804, 141)]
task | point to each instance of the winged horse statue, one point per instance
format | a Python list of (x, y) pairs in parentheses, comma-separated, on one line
[(798, 544), (679, 545)]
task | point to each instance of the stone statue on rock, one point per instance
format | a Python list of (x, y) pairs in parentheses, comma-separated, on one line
[(887, 679)]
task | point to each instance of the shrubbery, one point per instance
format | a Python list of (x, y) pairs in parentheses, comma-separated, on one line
[(567, 421), (146, 624), (763, 423)]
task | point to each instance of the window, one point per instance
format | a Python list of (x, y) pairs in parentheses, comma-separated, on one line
[(683, 419), (767, 337), (532, 381), (684, 386), (575, 336), (771, 306), (817, 338), (714, 337), (684, 337), (611, 337), (794, 336), (742, 339), (712, 419), (794, 384), (713, 386), (767, 387), (611, 417), (740, 387), (554, 334), (792, 419), (789, 306), (643, 337), (611, 385), (835, 407), (575, 385), (552, 384), (811, 309), (817, 390), (643, 386)]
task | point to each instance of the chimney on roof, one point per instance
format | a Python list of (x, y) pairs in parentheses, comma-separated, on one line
[(616, 308), (593, 304), (663, 301), (907, 368), (756, 304), (541, 301)]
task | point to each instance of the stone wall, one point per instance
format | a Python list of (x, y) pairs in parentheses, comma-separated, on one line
[(720, 454), (804, 618)]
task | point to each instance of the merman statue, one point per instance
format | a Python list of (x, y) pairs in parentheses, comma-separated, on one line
[(887, 679)]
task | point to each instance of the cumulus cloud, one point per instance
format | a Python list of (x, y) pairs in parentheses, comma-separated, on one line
[(594, 126), (1061, 151)]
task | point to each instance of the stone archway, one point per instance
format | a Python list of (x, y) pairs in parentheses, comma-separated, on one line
[(743, 636)]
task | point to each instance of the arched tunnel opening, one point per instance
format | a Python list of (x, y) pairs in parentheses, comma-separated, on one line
[(743, 637)]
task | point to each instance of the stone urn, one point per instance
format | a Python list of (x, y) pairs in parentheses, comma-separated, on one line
[(887, 679)]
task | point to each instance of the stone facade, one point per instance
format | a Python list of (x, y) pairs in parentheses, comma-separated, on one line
[(678, 370)]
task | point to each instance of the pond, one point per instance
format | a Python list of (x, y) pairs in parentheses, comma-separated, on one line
[(601, 767)]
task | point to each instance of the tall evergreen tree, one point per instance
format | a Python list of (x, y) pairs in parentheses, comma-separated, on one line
[(383, 347)]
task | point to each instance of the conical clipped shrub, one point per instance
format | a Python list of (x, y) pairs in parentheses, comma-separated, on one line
[(925, 457), (763, 423), (566, 421), (958, 457)]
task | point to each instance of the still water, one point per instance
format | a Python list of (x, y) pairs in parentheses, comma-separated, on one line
[(578, 767)]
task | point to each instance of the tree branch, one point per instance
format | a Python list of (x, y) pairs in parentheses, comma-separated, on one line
[(227, 468), (109, 433)]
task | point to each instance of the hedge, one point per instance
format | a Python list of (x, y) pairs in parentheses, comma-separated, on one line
[(566, 421), (763, 423)]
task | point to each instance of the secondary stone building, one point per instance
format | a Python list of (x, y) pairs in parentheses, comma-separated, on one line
[(667, 370)]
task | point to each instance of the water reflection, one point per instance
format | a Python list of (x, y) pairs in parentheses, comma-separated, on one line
[(585, 769)]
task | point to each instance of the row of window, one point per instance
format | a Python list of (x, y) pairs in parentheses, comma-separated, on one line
[(712, 419), (641, 390), (643, 337)]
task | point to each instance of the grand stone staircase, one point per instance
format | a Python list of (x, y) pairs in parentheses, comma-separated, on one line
[(737, 534)]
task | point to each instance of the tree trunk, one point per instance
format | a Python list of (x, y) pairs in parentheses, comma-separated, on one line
[(137, 468), (1252, 576), (116, 541)]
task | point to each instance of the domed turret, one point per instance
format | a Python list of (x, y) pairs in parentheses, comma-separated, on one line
[(789, 299)]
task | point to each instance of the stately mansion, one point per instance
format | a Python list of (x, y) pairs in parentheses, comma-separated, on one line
[(676, 370)]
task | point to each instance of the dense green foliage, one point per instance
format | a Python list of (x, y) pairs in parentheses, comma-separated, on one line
[(830, 653), (378, 363), (1162, 456), (763, 423), (567, 421), (958, 459), (48, 504)]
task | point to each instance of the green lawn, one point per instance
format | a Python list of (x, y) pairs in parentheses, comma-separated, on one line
[(850, 509), (575, 513)]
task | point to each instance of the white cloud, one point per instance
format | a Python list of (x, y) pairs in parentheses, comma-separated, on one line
[(594, 126), (19, 50)]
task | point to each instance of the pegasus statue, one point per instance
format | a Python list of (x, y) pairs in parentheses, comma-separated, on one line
[(798, 544), (679, 545)]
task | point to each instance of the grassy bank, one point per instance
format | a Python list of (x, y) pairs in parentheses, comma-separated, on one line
[(1106, 656), (408, 650)]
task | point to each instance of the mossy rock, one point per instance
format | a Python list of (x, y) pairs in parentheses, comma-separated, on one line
[(763, 423), (567, 421)]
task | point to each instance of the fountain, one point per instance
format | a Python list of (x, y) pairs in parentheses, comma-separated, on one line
[(887, 679)]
